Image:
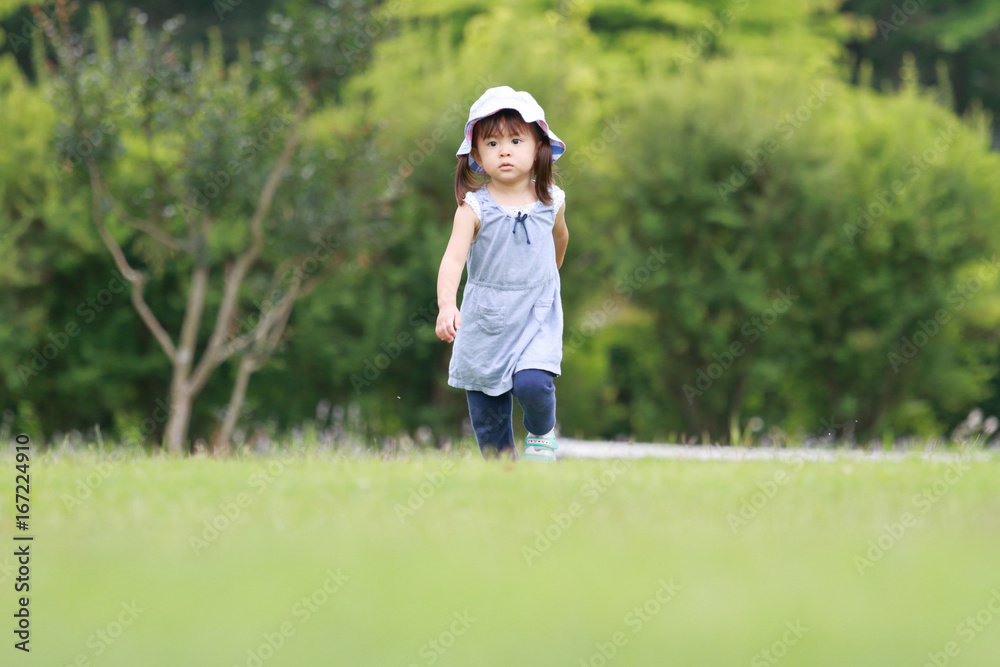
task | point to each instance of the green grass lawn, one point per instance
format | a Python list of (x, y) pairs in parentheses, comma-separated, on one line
[(332, 560)]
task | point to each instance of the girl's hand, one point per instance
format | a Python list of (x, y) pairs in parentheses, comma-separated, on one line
[(449, 321)]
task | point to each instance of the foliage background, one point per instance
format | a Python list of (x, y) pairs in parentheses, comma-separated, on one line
[(746, 139)]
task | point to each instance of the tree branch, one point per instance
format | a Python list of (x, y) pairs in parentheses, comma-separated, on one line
[(273, 178), (143, 226), (265, 327), (266, 347), (269, 339), (130, 274), (214, 353), (192, 315), (311, 284)]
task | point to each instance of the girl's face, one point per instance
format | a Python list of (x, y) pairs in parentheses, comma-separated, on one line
[(508, 155)]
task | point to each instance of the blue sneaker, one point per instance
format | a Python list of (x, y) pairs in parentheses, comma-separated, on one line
[(541, 448)]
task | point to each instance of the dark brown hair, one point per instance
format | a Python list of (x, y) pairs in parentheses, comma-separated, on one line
[(507, 121)]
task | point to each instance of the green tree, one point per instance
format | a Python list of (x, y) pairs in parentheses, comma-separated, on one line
[(955, 47), (202, 168), (821, 259)]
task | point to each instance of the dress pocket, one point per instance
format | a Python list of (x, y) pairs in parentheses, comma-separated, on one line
[(491, 320), (541, 309)]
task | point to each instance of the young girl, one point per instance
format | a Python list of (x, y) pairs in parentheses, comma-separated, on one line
[(511, 234)]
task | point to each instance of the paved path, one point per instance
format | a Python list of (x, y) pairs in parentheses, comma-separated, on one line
[(589, 449)]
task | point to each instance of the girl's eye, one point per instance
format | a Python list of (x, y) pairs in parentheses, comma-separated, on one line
[(492, 144), (516, 141)]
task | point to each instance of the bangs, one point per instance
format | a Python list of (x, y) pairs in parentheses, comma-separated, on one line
[(504, 122)]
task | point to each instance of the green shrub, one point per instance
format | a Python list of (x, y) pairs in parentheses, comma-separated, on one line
[(825, 265)]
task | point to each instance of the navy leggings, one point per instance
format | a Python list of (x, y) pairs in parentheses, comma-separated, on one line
[(491, 415)]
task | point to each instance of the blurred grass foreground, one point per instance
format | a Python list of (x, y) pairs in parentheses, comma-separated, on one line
[(219, 222), (324, 559)]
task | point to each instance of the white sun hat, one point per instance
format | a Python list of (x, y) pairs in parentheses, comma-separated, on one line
[(505, 97)]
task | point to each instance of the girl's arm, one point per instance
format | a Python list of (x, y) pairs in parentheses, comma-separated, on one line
[(560, 234), (449, 319)]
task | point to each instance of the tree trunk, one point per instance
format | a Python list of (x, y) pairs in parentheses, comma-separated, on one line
[(180, 416), (182, 390)]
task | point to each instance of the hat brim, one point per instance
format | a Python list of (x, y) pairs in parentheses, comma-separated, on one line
[(558, 146)]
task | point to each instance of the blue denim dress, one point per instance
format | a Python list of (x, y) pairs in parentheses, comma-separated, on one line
[(512, 316)]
